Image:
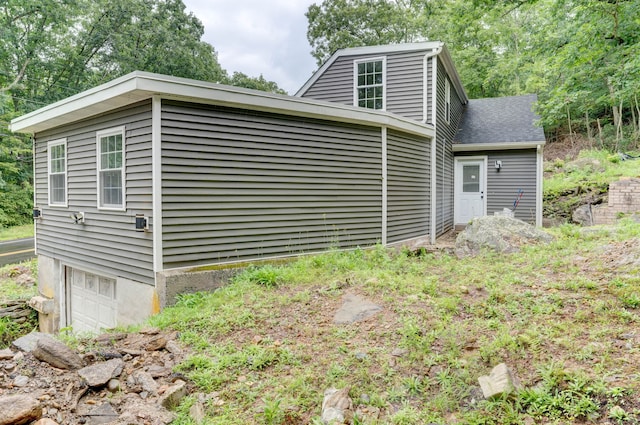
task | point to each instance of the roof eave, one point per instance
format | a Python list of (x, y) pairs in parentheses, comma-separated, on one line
[(139, 86), (475, 147)]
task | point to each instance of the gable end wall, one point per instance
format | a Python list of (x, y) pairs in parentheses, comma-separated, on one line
[(404, 83)]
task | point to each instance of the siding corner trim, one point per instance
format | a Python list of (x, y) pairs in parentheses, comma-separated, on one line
[(156, 171)]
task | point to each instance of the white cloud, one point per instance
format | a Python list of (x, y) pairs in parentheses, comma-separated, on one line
[(267, 37)]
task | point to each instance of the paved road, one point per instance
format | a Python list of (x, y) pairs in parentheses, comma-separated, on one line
[(16, 251)]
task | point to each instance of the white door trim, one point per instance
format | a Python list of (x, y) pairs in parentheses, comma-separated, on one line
[(457, 185)]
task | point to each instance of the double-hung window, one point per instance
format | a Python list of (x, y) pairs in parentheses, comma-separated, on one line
[(57, 170), (370, 83), (111, 189)]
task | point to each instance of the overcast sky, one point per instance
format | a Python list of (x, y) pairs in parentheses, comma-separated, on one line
[(267, 37)]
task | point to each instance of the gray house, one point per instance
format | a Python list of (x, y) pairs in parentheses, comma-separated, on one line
[(150, 185)]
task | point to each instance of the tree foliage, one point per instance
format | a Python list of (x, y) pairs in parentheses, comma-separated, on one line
[(52, 49)]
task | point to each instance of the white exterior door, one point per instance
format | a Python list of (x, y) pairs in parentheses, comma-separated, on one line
[(470, 188), (92, 301)]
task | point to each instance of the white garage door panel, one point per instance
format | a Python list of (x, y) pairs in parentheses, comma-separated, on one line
[(92, 301)]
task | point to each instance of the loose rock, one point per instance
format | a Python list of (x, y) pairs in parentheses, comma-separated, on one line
[(146, 381), (28, 342), (583, 215), (174, 348), (197, 412), (20, 381), (99, 374), (102, 414), (355, 309), (113, 386), (6, 354), (174, 395), (501, 381), (45, 421), (337, 406), (19, 409), (56, 354)]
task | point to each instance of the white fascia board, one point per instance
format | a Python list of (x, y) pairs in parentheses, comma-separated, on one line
[(139, 86), (475, 147), (367, 50), (112, 95)]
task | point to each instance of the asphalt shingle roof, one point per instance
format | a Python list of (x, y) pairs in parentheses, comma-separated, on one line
[(500, 120)]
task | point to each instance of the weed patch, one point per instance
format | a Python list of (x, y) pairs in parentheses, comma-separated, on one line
[(563, 316)]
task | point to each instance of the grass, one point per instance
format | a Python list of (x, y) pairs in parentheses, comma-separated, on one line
[(16, 232), (564, 317)]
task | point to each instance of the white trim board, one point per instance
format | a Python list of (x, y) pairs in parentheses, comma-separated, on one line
[(475, 147)]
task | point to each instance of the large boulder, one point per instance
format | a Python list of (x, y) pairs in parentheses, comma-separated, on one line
[(499, 233), (583, 215)]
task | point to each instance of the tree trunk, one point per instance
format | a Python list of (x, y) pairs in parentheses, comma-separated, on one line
[(588, 125), (600, 133)]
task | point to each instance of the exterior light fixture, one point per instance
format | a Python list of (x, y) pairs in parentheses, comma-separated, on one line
[(498, 165), (142, 223)]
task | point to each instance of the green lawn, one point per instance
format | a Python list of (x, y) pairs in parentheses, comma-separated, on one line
[(564, 317), (17, 232)]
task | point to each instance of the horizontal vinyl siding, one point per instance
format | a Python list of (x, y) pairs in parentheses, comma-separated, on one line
[(408, 186), (336, 84), (404, 83), (518, 173), (239, 185), (107, 242), (444, 159)]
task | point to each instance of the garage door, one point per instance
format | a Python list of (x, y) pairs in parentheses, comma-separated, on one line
[(92, 301)]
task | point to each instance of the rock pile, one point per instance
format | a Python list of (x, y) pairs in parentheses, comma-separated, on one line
[(118, 379)]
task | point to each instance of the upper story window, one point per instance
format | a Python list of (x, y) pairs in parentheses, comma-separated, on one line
[(447, 100), (111, 190), (370, 83), (57, 171)]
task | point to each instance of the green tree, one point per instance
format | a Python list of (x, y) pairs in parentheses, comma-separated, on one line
[(239, 79), (52, 49), (336, 24)]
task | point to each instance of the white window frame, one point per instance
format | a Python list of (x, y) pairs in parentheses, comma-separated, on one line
[(447, 100), (51, 144), (99, 135), (382, 59)]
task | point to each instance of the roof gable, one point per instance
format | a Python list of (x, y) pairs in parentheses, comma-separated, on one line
[(430, 48)]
